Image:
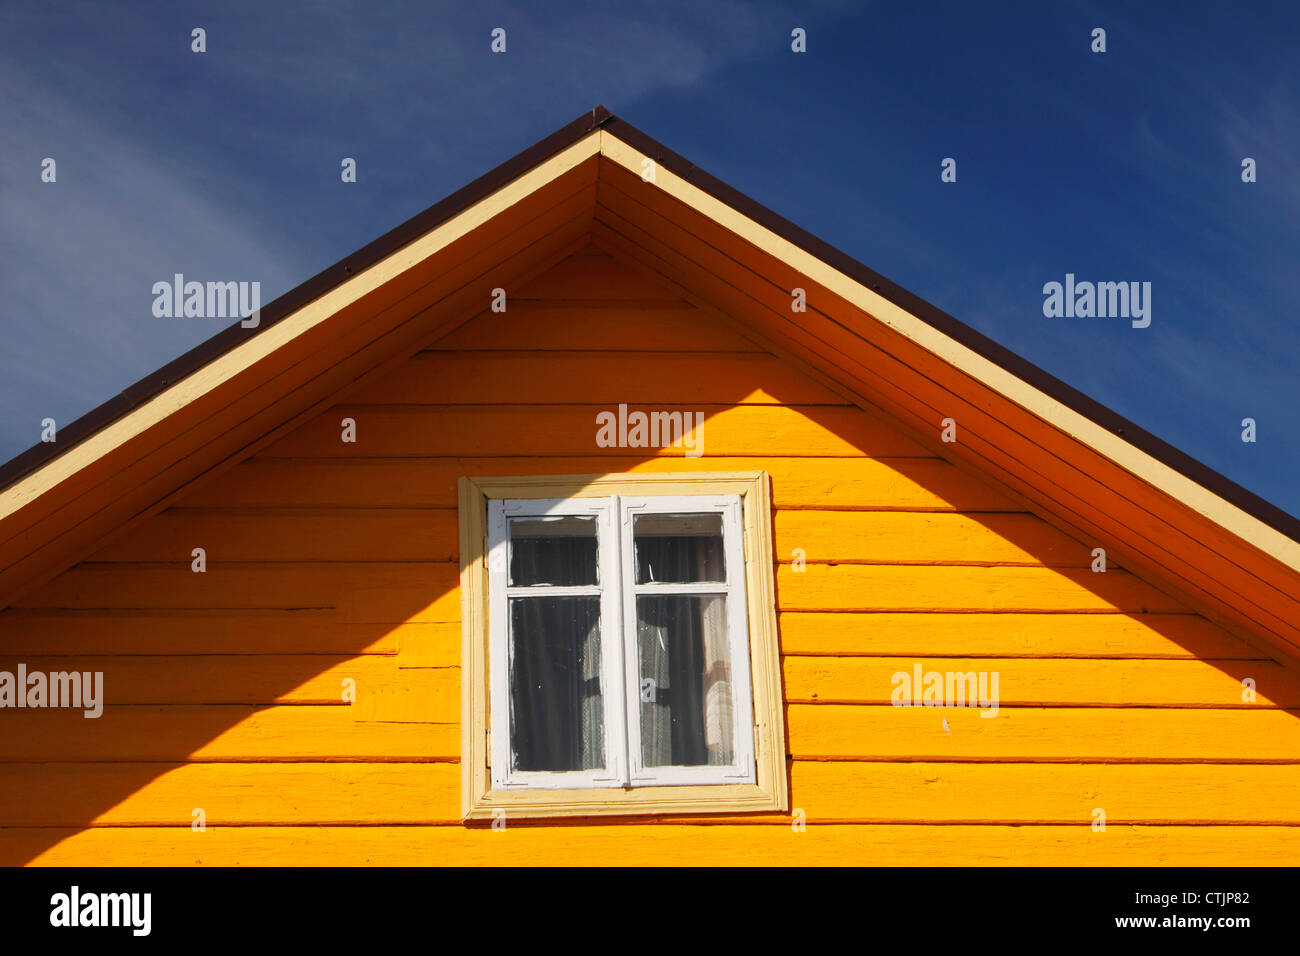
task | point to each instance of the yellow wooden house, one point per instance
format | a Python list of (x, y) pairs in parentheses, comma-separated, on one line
[(600, 515)]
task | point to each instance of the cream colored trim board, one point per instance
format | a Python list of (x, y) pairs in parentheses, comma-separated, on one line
[(225, 367), (1144, 466)]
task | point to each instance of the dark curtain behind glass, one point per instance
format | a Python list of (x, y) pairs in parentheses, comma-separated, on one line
[(556, 714), (556, 709)]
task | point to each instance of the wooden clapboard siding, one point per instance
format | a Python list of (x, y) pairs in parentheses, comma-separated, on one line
[(869, 587), (429, 591), (358, 592), (330, 562), (883, 484), (292, 534), (1097, 733), (249, 794), (314, 631), (318, 679), (1093, 636), (853, 732), (664, 844), (243, 732), (185, 631), (1036, 682), (662, 324), (567, 430), (231, 678), (429, 534), (664, 378)]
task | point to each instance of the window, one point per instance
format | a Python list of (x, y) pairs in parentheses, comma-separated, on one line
[(619, 646)]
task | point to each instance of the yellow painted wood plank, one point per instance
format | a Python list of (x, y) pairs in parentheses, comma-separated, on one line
[(253, 679), (1070, 734), (590, 273), (151, 794), (1044, 682), (430, 534), (1010, 635), (659, 378), (411, 695), (332, 794), (816, 731), (843, 483), (846, 634), (926, 538), (357, 592), (260, 534), (195, 631), (858, 587), (435, 645), (220, 733), (199, 630), (656, 845), (840, 791), (598, 324), (562, 430), (876, 634)]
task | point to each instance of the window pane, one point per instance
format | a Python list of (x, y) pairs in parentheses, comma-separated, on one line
[(687, 714), (556, 715), (557, 550), (674, 549)]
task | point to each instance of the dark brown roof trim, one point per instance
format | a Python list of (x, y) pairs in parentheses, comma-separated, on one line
[(600, 117)]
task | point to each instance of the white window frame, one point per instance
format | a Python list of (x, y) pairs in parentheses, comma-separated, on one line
[(617, 589)]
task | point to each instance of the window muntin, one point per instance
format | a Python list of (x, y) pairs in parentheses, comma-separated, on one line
[(620, 625)]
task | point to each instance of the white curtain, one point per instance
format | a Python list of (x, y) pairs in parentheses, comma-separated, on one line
[(687, 711)]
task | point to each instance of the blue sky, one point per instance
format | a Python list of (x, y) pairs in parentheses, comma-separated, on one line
[(1122, 166)]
